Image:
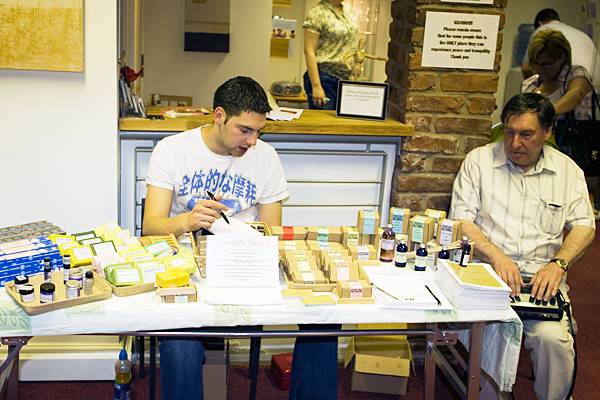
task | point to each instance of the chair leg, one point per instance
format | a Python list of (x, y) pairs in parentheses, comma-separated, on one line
[(254, 364)]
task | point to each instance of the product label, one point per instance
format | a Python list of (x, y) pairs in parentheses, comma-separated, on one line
[(72, 292), (27, 298), (397, 221), (368, 222), (289, 245), (288, 233), (180, 298), (400, 257), (387, 244), (421, 262), (446, 234), (465, 259), (46, 298), (417, 232), (322, 234), (308, 277), (356, 291), (363, 252), (343, 272), (352, 238), (303, 265)]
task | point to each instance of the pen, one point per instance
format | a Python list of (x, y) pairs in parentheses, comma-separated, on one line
[(212, 197), (389, 294), (439, 303)]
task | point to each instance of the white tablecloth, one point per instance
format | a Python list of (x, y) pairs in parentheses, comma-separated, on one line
[(146, 312)]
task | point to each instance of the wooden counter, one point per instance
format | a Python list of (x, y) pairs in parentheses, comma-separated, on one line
[(312, 122)]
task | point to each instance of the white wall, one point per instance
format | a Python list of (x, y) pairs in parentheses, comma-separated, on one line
[(58, 136), (170, 70), (522, 12)]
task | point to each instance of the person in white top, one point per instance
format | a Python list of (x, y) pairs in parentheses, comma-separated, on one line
[(515, 199), (583, 50)]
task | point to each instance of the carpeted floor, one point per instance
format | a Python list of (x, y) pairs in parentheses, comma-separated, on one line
[(583, 279)]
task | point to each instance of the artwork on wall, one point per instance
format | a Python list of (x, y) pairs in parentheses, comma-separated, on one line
[(41, 35), (207, 25)]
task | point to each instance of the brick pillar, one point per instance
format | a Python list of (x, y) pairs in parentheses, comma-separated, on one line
[(450, 108)]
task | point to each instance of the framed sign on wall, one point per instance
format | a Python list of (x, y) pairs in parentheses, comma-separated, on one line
[(365, 100)]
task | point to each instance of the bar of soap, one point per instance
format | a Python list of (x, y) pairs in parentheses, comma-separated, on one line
[(172, 277), (184, 261), (126, 276), (149, 269)]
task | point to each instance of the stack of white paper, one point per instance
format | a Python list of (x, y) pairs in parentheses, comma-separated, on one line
[(284, 114), (476, 286), (403, 289)]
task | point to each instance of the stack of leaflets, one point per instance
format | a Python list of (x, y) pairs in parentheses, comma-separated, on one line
[(476, 286), (26, 256)]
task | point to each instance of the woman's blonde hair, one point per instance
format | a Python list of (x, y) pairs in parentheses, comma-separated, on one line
[(551, 43)]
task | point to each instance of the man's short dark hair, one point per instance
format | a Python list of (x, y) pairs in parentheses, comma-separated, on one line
[(241, 94), (545, 15), (530, 103)]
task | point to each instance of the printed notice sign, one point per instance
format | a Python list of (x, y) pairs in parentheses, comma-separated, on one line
[(469, 1), (457, 40)]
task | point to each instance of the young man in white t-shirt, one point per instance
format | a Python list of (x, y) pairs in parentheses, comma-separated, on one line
[(246, 177)]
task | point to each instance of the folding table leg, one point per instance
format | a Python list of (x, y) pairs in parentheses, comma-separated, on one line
[(152, 370), (139, 340), (474, 365), (254, 364)]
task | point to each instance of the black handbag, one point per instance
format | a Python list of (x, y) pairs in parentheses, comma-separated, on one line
[(580, 139)]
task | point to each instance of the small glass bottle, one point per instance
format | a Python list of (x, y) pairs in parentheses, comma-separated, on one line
[(388, 242), (466, 252), (88, 283), (77, 276), (458, 252), (72, 289), (66, 268), (47, 292), (400, 255), (20, 281), (444, 254), (421, 258), (26, 291), (47, 270)]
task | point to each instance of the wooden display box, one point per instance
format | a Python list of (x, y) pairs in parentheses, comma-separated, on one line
[(182, 294), (100, 291)]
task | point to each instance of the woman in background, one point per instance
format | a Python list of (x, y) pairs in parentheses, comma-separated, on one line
[(569, 87), (330, 33)]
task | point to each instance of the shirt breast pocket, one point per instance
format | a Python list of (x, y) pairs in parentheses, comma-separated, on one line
[(552, 217)]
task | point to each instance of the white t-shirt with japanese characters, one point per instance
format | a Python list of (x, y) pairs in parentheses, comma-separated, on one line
[(184, 164)]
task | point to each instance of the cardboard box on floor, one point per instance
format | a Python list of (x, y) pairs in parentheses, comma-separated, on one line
[(381, 364)]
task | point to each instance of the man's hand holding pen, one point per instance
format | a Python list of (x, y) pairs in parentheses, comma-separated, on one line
[(204, 214)]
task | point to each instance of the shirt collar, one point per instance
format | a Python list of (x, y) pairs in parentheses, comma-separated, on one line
[(547, 160)]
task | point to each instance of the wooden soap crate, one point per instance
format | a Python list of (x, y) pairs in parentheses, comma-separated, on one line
[(122, 291), (100, 291)]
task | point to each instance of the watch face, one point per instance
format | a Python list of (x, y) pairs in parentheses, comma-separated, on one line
[(562, 263)]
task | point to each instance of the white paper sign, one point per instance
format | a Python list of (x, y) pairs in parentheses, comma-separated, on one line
[(242, 261), (469, 1), (457, 40)]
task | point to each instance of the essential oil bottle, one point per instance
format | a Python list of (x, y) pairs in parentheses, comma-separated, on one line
[(388, 242), (400, 255), (466, 252), (421, 258)]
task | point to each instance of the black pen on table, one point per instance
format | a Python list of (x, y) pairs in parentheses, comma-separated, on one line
[(212, 197), (439, 303)]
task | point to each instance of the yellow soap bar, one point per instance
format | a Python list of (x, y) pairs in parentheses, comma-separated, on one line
[(172, 277), (184, 261), (81, 255)]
